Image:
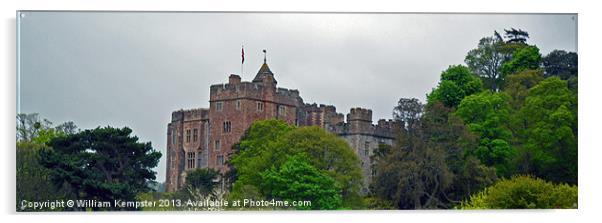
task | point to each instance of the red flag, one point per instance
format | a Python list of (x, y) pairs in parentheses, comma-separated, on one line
[(243, 55)]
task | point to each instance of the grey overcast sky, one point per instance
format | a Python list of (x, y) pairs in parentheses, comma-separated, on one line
[(133, 69)]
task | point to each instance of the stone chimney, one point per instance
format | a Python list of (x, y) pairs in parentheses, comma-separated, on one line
[(234, 79)]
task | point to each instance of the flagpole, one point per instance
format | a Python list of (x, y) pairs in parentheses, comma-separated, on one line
[(243, 59)]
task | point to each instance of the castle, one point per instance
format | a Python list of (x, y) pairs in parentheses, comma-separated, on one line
[(203, 137)]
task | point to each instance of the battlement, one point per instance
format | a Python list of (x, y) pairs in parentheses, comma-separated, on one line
[(190, 114), (236, 89), (360, 114), (291, 93)]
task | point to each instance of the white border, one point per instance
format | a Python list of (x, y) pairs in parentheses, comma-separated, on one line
[(589, 112)]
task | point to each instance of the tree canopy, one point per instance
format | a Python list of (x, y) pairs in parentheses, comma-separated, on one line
[(102, 164), (267, 145), (297, 180), (456, 83)]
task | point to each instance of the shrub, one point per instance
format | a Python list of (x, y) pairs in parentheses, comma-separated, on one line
[(523, 192)]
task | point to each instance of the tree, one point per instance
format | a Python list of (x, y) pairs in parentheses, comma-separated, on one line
[(251, 155), (201, 181), (516, 36), (550, 121), (29, 125), (413, 175), (487, 114), (518, 85), (449, 132), (456, 83), (560, 63), (68, 128), (522, 192), (103, 164), (268, 143), (33, 179), (428, 166), (408, 111), (525, 58), (296, 179), (486, 60)]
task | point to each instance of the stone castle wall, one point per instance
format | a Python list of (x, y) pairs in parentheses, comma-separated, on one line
[(235, 105)]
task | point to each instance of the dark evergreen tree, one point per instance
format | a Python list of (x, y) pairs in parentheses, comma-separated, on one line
[(102, 164)]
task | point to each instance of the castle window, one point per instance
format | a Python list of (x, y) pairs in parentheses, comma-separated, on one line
[(373, 172), (281, 110), (237, 104), (260, 106), (220, 160), (227, 126), (219, 106), (195, 135), (191, 160), (173, 137), (218, 145), (187, 135), (367, 148), (173, 160)]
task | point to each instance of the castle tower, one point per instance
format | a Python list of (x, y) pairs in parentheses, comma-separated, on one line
[(360, 120), (234, 106)]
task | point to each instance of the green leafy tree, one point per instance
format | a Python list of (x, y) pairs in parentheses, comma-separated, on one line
[(297, 180), (525, 58), (29, 125), (518, 85), (550, 120), (560, 63), (201, 182), (449, 132), (413, 175), (268, 143), (487, 114), (428, 166), (101, 164), (456, 83), (486, 60), (253, 153), (33, 179), (522, 192)]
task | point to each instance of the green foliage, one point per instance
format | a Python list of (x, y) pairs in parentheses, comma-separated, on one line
[(525, 58), (522, 192), (201, 181), (33, 179), (29, 125), (487, 114), (456, 83), (297, 180), (561, 63), (255, 151), (550, 120), (267, 144), (428, 166), (518, 85), (102, 164), (485, 61), (46, 135), (376, 203)]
